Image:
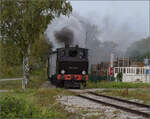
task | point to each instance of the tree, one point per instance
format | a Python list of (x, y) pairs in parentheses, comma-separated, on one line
[(10, 58), (23, 21), (40, 50), (139, 49)]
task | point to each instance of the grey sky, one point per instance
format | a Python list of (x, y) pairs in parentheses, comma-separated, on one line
[(133, 13)]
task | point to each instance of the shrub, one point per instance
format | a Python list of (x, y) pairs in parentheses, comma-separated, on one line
[(14, 107), (119, 77)]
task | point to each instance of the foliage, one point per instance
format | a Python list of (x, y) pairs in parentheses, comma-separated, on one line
[(141, 94), (14, 107), (10, 54), (10, 71), (139, 49), (11, 60), (119, 76), (38, 77), (39, 53), (10, 85), (41, 103), (23, 21), (112, 84)]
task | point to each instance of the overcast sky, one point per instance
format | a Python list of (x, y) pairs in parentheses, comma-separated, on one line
[(133, 13)]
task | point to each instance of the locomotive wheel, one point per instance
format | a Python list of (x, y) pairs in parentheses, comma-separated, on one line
[(60, 84)]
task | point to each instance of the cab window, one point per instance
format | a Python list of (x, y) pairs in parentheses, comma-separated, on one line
[(82, 54)]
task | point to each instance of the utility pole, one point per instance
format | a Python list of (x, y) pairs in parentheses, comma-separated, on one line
[(86, 40)]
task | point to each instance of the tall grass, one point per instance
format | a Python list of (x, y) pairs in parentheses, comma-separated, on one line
[(43, 102), (10, 85), (112, 84), (17, 107), (11, 72), (141, 94), (37, 78)]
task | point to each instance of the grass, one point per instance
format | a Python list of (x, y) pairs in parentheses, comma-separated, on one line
[(141, 94), (10, 72), (46, 98), (37, 78), (112, 84), (8, 85), (45, 101)]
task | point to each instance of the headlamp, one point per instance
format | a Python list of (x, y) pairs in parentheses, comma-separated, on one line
[(83, 72), (62, 71)]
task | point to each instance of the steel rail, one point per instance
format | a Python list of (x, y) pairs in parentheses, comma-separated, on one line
[(121, 100), (116, 106)]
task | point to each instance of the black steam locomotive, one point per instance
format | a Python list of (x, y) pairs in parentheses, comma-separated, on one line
[(68, 67)]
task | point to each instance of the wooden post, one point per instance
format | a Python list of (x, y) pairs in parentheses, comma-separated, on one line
[(23, 80)]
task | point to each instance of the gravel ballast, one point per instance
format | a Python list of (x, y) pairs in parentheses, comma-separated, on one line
[(87, 109)]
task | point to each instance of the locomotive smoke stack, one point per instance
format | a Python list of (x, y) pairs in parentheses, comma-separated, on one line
[(65, 35), (67, 44)]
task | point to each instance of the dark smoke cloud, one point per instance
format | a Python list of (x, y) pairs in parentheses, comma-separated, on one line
[(72, 23), (65, 35), (100, 40)]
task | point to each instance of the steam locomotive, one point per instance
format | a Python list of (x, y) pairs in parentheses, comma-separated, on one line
[(68, 67)]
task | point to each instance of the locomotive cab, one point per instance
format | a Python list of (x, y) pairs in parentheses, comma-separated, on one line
[(71, 68)]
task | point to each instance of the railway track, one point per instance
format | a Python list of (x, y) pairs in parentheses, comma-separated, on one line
[(128, 106)]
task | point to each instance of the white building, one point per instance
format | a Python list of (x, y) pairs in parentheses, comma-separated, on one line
[(134, 74)]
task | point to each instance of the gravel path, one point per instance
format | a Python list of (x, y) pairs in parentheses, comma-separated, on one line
[(47, 84), (87, 108)]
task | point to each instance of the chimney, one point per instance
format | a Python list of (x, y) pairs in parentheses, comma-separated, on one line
[(77, 46), (66, 44)]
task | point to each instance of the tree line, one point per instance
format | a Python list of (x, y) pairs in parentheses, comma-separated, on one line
[(22, 26), (139, 49)]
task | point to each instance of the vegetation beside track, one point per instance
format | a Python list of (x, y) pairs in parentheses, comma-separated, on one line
[(141, 95), (34, 103), (37, 78), (43, 101), (116, 85), (10, 85)]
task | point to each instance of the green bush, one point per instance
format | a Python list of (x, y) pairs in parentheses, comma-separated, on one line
[(10, 71), (119, 77), (14, 107)]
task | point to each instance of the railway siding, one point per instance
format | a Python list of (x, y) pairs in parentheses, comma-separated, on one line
[(136, 108), (90, 109)]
